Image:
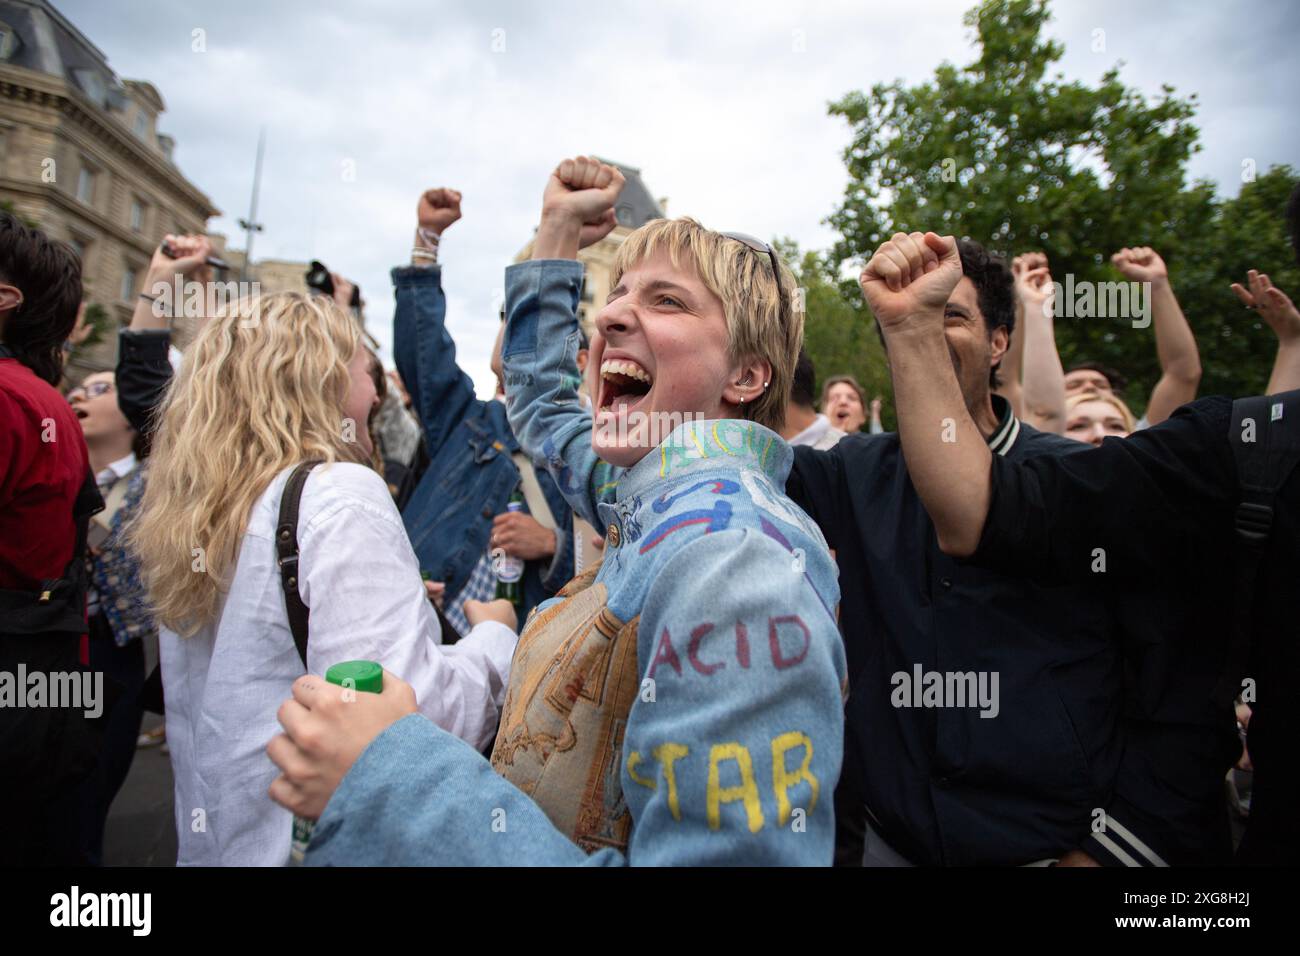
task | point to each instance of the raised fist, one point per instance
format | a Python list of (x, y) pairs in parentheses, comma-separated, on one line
[(1033, 279), (910, 274), (191, 260), (1140, 264), (584, 190), (438, 209)]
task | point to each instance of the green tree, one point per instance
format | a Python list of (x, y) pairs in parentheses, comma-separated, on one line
[(1003, 153), (839, 333)]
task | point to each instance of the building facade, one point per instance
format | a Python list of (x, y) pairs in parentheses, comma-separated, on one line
[(82, 157)]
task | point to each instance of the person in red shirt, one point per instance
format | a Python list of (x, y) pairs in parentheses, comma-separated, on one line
[(46, 494)]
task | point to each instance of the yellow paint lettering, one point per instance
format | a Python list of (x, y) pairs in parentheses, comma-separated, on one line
[(668, 754), (747, 791), (783, 780)]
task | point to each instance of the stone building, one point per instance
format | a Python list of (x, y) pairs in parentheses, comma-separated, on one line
[(81, 156), (636, 206)]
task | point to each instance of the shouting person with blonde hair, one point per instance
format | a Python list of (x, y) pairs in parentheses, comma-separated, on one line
[(681, 703), (269, 385)]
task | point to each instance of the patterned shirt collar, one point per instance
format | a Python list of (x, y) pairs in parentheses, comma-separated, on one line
[(1008, 428), (707, 444)]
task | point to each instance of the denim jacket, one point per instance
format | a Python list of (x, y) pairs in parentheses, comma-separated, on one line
[(470, 474), (731, 748)]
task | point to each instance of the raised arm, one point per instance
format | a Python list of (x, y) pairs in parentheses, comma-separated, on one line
[(441, 393), (1043, 389), (907, 284), (143, 369), (1180, 363), (1277, 310), (540, 353)]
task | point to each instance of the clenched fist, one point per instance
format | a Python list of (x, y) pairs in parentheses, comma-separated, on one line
[(1033, 280), (1140, 264), (191, 260), (583, 191), (438, 209), (910, 275)]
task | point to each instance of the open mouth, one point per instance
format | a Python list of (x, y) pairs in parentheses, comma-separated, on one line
[(81, 413), (624, 383), (840, 416)]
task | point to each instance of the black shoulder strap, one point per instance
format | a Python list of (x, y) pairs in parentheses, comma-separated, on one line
[(1265, 441), (286, 550)]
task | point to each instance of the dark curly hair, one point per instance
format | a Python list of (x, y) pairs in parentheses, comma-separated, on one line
[(994, 290), (48, 273)]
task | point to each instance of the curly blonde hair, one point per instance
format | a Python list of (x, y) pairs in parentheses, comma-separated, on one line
[(759, 325), (261, 388)]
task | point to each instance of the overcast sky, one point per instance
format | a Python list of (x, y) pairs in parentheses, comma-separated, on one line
[(722, 105)]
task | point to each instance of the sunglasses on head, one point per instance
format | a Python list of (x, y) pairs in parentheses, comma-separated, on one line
[(761, 247)]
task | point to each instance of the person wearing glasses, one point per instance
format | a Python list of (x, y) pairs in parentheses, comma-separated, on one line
[(682, 702), (119, 618)]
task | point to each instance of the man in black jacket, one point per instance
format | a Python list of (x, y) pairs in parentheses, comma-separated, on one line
[(1163, 523), (1024, 777)]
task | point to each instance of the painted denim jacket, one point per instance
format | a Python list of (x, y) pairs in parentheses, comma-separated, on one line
[(731, 748)]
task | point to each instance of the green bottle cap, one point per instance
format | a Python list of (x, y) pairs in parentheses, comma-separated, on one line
[(363, 675)]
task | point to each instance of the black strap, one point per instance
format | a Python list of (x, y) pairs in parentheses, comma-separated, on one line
[(1265, 441), (286, 550), (58, 605)]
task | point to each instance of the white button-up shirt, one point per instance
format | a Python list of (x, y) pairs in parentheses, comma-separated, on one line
[(224, 685)]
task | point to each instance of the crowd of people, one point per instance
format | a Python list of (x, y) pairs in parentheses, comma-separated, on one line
[(659, 600)]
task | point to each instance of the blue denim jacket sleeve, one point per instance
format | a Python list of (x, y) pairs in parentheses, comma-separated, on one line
[(540, 357), (441, 393), (731, 754)]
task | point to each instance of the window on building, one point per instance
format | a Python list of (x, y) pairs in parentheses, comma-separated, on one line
[(86, 185), (82, 249), (141, 124), (137, 215), (128, 284)]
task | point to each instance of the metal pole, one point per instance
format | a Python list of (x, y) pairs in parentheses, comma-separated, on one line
[(250, 225)]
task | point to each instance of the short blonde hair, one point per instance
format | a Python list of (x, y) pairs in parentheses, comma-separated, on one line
[(1110, 398), (758, 326)]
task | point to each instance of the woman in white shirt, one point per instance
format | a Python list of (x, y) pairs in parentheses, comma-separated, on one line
[(272, 383)]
